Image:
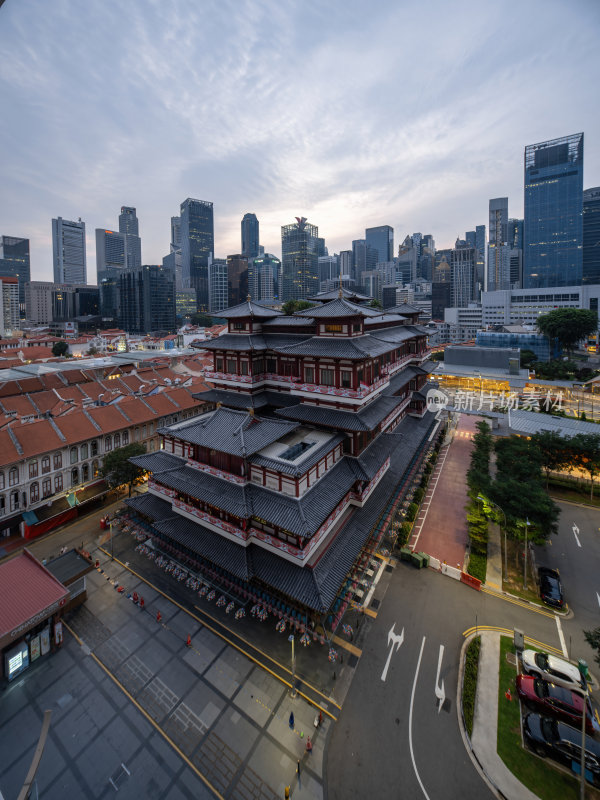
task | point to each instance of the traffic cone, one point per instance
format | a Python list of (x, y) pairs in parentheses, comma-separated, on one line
[(158, 616), (188, 641)]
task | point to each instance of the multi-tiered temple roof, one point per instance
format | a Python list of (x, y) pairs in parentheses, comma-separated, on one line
[(284, 499)]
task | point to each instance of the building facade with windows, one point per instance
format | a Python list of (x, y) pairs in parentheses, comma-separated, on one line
[(69, 251), (250, 236), (299, 260), (553, 218), (319, 416), (197, 234), (591, 235), (15, 263)]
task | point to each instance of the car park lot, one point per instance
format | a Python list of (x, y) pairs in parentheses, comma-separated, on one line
[(561, 743)]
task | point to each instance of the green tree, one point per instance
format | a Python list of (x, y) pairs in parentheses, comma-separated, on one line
[(585, 454), (60, 349), (437, 356), (291, 306), (374, 304), (568, 326), (118, 469), (593, 639), (203, 320), (555, 451), (92, 351), (528, 357), (478, 474)]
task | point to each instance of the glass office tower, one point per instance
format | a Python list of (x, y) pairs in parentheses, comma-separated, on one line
[(250, 236), (553, 226), (300, 260), (382, 240), (591, 235), (15, 263), (197, 247), (68, 251)]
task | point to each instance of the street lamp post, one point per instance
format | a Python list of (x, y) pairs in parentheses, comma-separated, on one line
[(112, 547), (525, 562), (491, 502), (291, 639)]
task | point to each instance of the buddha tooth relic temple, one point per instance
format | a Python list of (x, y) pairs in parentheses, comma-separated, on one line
[(313, 422)]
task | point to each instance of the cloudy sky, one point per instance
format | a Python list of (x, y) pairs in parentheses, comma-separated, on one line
[(352, 113)]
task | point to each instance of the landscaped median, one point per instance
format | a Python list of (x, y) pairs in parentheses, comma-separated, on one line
[(542, 776)]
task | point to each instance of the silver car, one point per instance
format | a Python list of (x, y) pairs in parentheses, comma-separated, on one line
[(553, 669)]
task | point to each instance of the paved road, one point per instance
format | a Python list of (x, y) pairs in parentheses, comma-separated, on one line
[(370, 747), (577, 555)]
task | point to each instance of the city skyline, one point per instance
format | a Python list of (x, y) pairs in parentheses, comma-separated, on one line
[(162, 132)]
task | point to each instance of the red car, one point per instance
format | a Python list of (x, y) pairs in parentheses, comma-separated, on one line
[(556, 701)]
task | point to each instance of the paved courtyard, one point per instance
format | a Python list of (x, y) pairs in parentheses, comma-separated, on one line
[(134, 707)]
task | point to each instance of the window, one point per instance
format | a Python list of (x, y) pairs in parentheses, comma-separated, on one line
[(95, 469), (57, 460), (231, 366), (33, 469), (74, 455), (244, 367), (346, 379), (137, 433), (85, 473), (125, 439), (239, 326), (46, 487), (107, 444), (74, 476), (13, 477), (219, 365), (334, 328), (14, 501), (58, 483), (1, 480), (327, 377), (45, 464), (356, 327), (143, 431), (83, 452), (309, 374), (34, 492), (94, 447), (117, 440), (271, 365), (2, 507)]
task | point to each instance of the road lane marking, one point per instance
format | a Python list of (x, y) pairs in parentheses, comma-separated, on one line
[(508, 632), (433, 488), (598, 596), (395, 639), (561, 637), (410, 713), (515, 601), (440, 692), (575, 532)]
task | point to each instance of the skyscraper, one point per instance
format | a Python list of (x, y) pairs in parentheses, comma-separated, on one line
[(237, 279), (129, 225), (481, 247), (217, 284), (147, 299), (250, 236), (553, 226), (381, 239), (300, 260), (591, 235), (364, 258), (172, 261), (264, 278), (14, 263), (111, 261), (9, 305), (463, 283), (197, 247), (498, 249), (68, 251)]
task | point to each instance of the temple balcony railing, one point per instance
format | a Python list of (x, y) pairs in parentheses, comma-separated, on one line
[(217, 473), (334, 391)]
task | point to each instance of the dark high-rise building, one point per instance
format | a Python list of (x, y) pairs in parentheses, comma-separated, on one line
[(515, 233), (197, 246), (111, 261), (237, 279), (68, 251), (441, 299), (250, 236), (498, 250), (264, 278), (480, 246), (553, 225), (147, 300), (463, 275), (14, 263), (299, 260), (381, 239), (364, 258), (129, 225), (591, 235)]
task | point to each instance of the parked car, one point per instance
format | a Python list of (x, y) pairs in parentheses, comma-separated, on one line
[(553, 669), (556, 701), (561, 743), (551, 590)]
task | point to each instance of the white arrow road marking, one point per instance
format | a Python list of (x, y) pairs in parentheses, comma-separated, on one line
[(439, 688), (575, 532), (598, 596), (410, 713), (561, 636), (395, 640)]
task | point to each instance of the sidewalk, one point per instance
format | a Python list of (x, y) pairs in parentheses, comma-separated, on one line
[(493, 574), (485, 724)]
